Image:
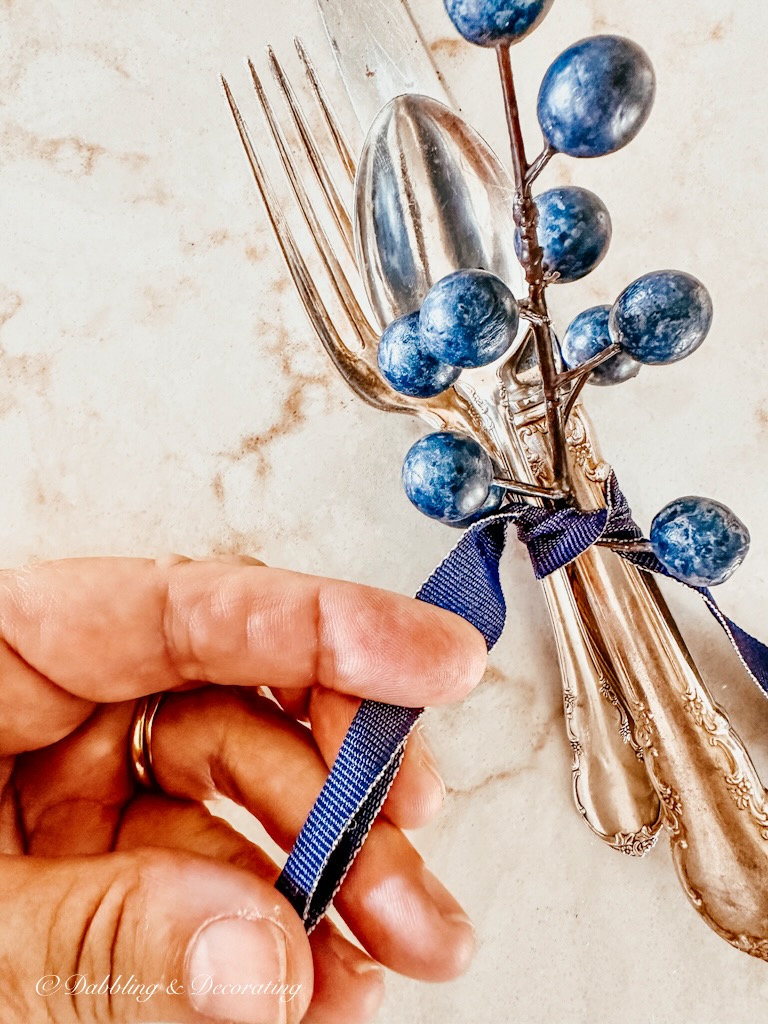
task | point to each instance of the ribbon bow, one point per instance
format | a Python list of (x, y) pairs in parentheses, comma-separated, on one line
[(466, 582)]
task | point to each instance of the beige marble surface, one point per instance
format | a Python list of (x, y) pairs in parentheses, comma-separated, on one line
[(160, 389)]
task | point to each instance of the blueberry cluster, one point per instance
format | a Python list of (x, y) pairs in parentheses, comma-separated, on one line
[(468, 319), (593, 100), (661, 317)]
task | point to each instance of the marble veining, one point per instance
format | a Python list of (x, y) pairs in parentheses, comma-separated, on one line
[(161, 390)]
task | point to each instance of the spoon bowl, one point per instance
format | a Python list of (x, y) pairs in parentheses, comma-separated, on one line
[(431, 197)]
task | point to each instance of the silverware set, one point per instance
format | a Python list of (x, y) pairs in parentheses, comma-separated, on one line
[(650, 747)]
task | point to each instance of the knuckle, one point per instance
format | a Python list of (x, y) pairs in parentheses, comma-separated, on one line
[(16, 998), (94, 929)]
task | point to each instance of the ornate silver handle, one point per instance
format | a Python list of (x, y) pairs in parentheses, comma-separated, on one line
[(611, 786), (713, 802)]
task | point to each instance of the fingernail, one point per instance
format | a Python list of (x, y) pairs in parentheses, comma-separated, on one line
[(353, 959), (449, 909), (427, 760), (236, 971), (170, 559), (241, 560), (430, 764), (460, 918)]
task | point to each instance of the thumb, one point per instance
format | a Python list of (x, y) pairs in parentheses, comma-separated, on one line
[(145, 936)]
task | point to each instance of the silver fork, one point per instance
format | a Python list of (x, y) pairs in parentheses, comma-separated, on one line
[(352, 350), (354, 354)]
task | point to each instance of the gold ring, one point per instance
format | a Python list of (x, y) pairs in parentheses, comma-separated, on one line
[(140, 741)]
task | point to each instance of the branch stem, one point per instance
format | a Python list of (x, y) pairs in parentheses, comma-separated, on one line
[(538, 165), (526, 220), (573, 397), (586, 368), (527, 490)]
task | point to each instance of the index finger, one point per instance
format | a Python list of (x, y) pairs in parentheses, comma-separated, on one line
[(110, 629)]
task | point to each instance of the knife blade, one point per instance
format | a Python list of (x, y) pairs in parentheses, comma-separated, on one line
[(380, 54)]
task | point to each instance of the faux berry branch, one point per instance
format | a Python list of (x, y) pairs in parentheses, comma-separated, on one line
[(650, 746), (593, 101)]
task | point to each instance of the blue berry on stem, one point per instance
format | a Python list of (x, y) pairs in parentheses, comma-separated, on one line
[(468, 319), (490, 22), (699, 541), (587, 336), (447, 476), (574, 232), (662, 317), (596, 96), (407, 366)]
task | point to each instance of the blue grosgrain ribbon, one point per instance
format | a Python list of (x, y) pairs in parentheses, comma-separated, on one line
[(466, 582)]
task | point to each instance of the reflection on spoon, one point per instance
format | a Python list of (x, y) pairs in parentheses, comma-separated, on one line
[(430, 198)]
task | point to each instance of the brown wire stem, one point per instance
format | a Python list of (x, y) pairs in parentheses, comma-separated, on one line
[(586, 368), (538, 165), (573, 397), (526, 490), (526, 219)]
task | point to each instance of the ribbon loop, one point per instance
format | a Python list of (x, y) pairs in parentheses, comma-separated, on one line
[(466, 582)]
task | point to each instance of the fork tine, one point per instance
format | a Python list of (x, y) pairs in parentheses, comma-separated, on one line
[(341, 285), (334, 127), (361, 378), (336, 204)]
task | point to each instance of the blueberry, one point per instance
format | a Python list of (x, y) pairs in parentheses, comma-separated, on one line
[(447, 476), (587, 336), (469, 318), (490, 505), (489, 22), (700, 541), (662, 317), (574, 231), (596, 96), (407, 366)]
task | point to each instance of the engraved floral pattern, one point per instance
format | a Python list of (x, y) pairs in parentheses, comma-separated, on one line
[(607, 691), (694, 706), (751, 945), (532, 440), (636, 844), (645, 732), (580, 444), (671, 799), (673, 809), (747, 799), (740, 790), (569, 701)]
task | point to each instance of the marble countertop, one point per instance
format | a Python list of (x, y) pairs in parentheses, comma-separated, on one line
[(160, 389)]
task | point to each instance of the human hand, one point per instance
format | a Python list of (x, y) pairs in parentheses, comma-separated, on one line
[(101, 879)]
